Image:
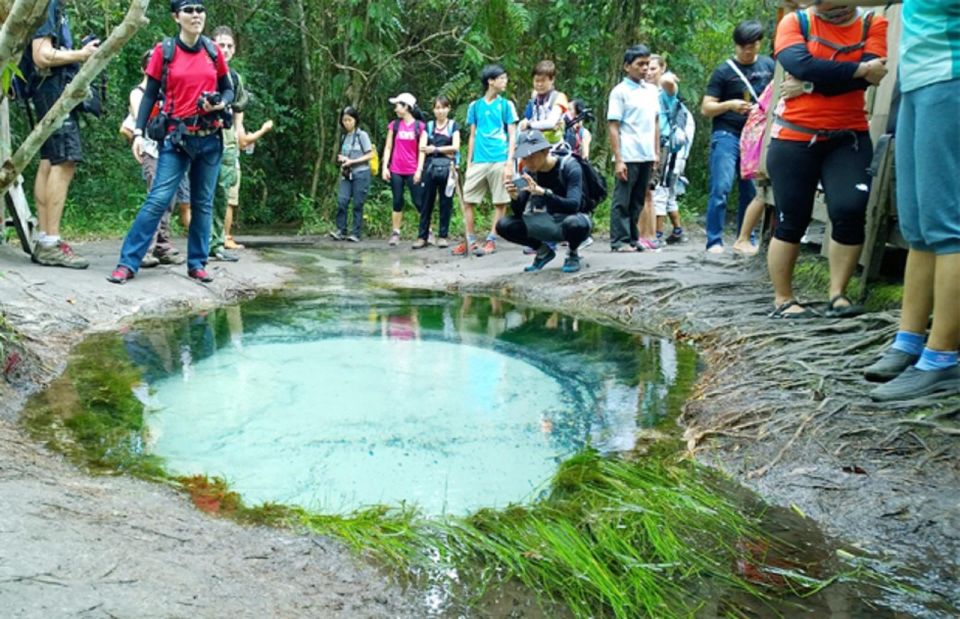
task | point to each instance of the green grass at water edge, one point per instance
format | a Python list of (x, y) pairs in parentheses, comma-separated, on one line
[(812, 278)]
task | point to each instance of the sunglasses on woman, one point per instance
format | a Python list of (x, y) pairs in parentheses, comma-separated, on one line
[(190, 10)]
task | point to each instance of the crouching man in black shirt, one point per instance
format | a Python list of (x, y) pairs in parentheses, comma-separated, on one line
[(546, 203)]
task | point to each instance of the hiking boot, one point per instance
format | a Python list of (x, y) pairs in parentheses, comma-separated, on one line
[(336, 236), (149, 261), (419, 244), (171, 257), (221, 255), (890, 365), (544, 256), (914, 383), (120, 275), (394, 238), (59, 255), (200, 275), (488, 248), (353, 238), (571, 264), (462, 249)]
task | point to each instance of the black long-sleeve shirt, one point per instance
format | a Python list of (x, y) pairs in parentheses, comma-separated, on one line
[(564, 180), (830, 77)]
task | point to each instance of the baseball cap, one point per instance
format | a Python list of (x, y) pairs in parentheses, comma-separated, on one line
[(530, 142), (406, 98)]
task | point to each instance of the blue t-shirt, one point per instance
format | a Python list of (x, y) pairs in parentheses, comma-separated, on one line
[(492, 142), (930, 43), (636, 106)]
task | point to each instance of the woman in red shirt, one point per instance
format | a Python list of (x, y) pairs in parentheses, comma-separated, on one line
[(822, 137), (196, 91)]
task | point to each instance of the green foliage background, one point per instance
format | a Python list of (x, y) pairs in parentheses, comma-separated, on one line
[(304, 60)]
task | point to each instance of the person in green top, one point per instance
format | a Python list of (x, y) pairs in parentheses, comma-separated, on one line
[(235, 139)]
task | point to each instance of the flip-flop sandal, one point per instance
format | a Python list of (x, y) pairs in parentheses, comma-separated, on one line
[(625, 249), (781, 311), (844, 311)]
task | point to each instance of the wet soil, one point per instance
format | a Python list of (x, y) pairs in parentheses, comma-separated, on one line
[(781, 407), (75, 545)]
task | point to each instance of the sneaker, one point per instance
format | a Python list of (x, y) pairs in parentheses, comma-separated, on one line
[(587, 243), (223, 256), (488, 248), (353, 238), (394, 238), (442, 242), (120, 275), (336, 236), (676, 239), (647, 245), (59, 255), (890, 365), (200, 275), (571, 264), (419, 244), (914, 383), (149, 261), (171, 257), (544, 256), (462, 249)]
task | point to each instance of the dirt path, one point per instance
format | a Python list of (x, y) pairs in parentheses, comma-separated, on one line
[(76, 546), (782, 407)]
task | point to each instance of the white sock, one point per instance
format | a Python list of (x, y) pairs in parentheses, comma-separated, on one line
[(47, 240)]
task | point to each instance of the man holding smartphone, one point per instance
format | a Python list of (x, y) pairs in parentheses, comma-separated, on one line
[(545, 201)]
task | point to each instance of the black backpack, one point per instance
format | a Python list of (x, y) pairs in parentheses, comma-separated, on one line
[(594, 190)]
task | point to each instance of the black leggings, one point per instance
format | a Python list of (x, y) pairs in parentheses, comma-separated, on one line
[(574, 229), (841, 164), (397, 181)]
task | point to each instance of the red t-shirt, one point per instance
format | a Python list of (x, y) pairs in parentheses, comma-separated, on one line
[(817, 111), (188, 75)]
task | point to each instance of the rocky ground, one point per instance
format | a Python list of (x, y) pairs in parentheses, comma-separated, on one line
[(781, 407)]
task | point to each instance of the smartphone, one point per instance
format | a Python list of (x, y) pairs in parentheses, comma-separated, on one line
[(520, 183)]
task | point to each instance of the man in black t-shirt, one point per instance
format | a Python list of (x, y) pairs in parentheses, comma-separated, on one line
[(731, 93), (545, 201), (55, 62)]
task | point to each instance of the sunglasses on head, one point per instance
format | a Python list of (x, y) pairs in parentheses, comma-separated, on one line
[(190, 10)]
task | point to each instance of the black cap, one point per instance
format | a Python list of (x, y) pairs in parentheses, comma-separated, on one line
[(177, 5), (530, 142)]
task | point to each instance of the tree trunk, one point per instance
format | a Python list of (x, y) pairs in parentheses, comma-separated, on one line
[(75, 92), (20, 21)]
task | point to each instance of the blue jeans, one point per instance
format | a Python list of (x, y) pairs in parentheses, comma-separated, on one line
[(202, 156), (724, 168)]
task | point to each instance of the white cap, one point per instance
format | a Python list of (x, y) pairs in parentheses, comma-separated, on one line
[(405, 98)]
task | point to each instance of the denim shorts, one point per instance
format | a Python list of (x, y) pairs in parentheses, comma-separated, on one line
[(928, 160)]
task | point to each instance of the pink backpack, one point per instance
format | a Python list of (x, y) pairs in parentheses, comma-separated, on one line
[(751, 139)]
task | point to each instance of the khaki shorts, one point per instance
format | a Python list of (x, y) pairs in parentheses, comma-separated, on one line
[(233, 193), (484, 178)]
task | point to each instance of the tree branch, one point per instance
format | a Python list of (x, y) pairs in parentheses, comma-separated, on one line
[(19, 22), (75, 92)]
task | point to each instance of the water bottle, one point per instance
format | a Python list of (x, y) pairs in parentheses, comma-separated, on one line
[(451, 182)]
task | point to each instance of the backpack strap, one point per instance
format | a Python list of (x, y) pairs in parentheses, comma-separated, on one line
[(743, 78), (804, 18), (168, 48), (212, 50)]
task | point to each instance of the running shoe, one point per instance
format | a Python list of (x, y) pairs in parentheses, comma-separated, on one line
[(676, 238), (462, 249), (488, 248), (200, 275), (544, 256), (571, 264), (171, 257), (353, 238), (120, 275), (336, 236), (394, 238), (587, 243), (443, 243), (221, 255), (647, 245), (914, 383), (419, 244)]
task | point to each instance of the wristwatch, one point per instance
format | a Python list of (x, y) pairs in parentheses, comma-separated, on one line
[(808, 87)]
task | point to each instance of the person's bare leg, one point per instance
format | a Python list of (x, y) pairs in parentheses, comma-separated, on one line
[(396, 220), (751, 217), (185, 215), (40, 193), (675, 218), (945, 333), (918, 282), (499, 212), (58, 183), (781, 260), (843, 263), (468, 223), (228, 242)]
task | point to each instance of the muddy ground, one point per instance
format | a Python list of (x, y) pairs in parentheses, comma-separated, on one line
[(72, 545), (781, 407)]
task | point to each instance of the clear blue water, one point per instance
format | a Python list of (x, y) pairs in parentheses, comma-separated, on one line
[(339, 402)]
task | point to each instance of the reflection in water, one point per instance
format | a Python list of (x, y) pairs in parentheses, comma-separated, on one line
[(452, 404)]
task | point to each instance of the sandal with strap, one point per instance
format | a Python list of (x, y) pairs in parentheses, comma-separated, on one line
[(843, 311), (782, 313)]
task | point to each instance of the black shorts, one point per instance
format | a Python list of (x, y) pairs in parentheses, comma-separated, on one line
[(64, 145)]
